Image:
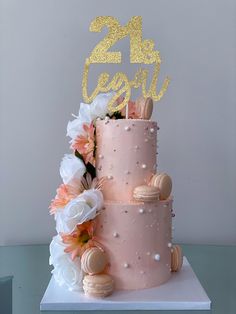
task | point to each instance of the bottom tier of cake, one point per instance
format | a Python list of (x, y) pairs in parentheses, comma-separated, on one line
[(137, 238)]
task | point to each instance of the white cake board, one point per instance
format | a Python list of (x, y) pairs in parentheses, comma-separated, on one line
[(182, 292)]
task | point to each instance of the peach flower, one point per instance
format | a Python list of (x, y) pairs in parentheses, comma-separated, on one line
[(80, 239), (133, 112), (65, 193), (85, 145)]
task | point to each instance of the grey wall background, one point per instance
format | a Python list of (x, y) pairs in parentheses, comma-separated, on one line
[(43, 48)]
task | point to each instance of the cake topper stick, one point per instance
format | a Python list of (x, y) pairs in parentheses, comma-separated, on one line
[(127, 111)]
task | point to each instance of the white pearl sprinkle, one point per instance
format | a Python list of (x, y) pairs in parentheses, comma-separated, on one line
[(127, 172), (165, 205), (144, 166), (115, 234), (146, 140), (157, 257), (100, 156), (148, 253), (169, 244), (110, 177), (152, 130), (127, 128), (126, 265), (150, 210), (136, 147), (98, 119), (142, 272), (141, 210)]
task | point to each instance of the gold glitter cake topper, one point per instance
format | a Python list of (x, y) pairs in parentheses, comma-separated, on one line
[(141, 52)]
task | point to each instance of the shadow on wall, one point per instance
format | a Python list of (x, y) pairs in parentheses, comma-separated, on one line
[(6, 295)]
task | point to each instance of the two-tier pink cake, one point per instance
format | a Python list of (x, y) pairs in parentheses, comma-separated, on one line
[(136, 235), (113, 211)]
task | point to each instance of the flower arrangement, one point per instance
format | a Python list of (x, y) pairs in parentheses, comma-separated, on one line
[(79, 198)]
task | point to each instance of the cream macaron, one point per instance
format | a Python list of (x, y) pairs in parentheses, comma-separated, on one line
[(176, 258), (93, 261), (144, 107), (164, 184), (146, 193), (98, 286)]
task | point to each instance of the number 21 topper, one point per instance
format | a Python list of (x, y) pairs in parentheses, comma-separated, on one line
[(141, 52)]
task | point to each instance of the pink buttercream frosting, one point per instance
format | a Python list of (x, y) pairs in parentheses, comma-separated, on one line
[(135, 235), (137, 239), (126, 154)]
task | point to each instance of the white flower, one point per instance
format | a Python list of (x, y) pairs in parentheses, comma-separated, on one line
[(66, 272), (82, 208), (99, 107), (88, 112), (72, 169), (75, 128), (56, 249)]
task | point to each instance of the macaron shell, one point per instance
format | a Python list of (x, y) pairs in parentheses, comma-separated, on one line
[(93, 261), (176, 258), (164, 183), (98, 285), (146, 193), (148, 109), (144, 107)]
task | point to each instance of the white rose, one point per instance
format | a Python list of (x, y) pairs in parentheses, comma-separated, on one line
[(56, 249), (82, 208), (99, 106), (75, 127), (87, 113), (66, 272), (72, 169)]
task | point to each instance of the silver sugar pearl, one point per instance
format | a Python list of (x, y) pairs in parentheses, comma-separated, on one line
[(115, 234), (157, 257), (127, 128)]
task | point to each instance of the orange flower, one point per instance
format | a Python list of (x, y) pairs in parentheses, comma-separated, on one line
[(84, 144), (80, 239), (65, 193), (133, 113)]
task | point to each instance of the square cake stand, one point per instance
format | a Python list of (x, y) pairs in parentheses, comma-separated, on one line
[(182, 292)]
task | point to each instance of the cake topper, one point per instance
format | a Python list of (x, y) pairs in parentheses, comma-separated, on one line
[(141, 52)]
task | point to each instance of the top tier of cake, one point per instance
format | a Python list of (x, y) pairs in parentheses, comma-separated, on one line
[(126, 154)]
